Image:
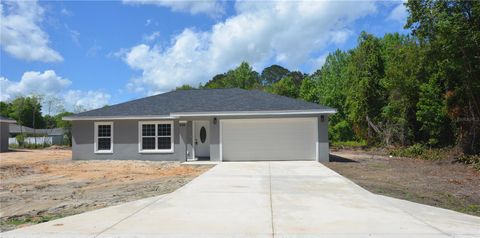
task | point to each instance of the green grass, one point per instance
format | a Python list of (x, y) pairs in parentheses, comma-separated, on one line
[(473, 209), (361, 143), (16, 221)]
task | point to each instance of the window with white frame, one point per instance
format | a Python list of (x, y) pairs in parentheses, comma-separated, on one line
[(155, 136), (103, 137)]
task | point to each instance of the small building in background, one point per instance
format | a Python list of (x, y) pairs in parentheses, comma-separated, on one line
[(5, 132), (53, 136)]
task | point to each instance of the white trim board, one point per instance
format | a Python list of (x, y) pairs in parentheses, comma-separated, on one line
[(178, 115), (98, 118), (253, 113)]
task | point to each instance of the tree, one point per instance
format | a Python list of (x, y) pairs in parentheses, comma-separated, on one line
[(450, 32), (52, 104), (309, 90), (218, 81), (242, 77), (365, 97), (332, 91), (286, 87), (27, 112), (297, 77), (332, 84), (432, 112), (5, 109), (65, 125), (273, 74), (185, 87), (403, 73)]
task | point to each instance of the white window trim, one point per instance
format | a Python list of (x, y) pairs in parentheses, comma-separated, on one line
[(172, 135), (95, 129)]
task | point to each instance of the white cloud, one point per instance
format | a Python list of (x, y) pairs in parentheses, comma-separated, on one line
[(75, 35), (209, 7), (50, 84), (80, 100), (341, 36), (94, 49), (399, 13), (152, 37), (285, 32), (33, 83), (21, 35), (66, 12)]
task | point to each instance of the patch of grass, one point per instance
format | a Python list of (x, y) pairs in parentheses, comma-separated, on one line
[(473, 209), (411, 151), (17, 221), (361, 143), (419, 151)]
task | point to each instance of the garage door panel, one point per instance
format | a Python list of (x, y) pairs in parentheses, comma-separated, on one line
[(269, 139)]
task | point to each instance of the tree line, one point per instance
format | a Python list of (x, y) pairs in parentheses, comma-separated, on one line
[(27, 111), (397, 89)]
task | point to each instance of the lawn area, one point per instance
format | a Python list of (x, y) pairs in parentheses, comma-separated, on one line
[(441, 183), (41, 185)]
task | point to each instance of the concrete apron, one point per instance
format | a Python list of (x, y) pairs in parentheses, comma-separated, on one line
[(263, 199)]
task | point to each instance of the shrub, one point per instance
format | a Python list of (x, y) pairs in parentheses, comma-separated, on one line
[(342, 131), (20, 139), (412, 151), (470, 159)]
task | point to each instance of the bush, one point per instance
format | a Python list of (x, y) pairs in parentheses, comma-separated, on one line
[(470, 159), (20, 139), (412, 151), (342, 131)]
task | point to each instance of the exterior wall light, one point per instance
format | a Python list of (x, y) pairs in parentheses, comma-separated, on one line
[(322, 118), (214, 121)]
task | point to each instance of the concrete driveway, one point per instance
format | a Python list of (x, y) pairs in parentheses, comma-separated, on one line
[(264, 199)]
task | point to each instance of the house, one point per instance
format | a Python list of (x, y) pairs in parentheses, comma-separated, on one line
[(54, 136), (4, 132), (209, 124)]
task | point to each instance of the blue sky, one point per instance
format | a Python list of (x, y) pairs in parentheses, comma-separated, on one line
[(88, 54)]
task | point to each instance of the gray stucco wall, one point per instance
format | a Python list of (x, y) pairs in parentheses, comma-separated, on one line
[(4, 136), (125, 142), (125, 146)]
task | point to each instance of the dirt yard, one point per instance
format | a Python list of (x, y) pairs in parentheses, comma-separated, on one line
[(41, 185), (438, 183)]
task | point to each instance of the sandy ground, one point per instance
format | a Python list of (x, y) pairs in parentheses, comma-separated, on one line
[(40, 185), (438, 183)]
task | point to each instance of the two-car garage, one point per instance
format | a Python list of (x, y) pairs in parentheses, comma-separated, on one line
[(269, 139)]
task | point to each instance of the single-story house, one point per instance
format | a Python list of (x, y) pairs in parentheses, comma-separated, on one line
[(55, 136), (4, 132), (206, 124)]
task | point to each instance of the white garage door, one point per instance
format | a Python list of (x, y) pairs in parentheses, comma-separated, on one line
[(269, 139)]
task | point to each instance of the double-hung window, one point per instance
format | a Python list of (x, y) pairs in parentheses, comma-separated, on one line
[(155, 136), (103, 137)]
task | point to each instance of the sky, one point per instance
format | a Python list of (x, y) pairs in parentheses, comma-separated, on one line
[(95, 53)]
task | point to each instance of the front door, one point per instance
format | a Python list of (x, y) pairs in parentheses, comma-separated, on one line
[(202, 139)]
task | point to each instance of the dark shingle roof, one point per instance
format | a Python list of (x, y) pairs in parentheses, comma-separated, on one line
[(17, 129), (6, 119), (203, 100)]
